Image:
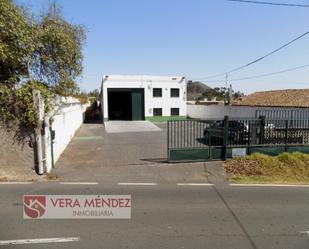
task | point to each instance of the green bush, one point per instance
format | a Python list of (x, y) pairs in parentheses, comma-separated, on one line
[(17, 104)]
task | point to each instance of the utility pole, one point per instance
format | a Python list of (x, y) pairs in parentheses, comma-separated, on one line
[(225, 94), (230, 92), (194, 91)]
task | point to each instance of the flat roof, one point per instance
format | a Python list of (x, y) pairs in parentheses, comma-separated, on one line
[(142, 78)]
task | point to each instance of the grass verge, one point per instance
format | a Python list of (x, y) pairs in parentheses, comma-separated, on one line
[(159, 119), (286, 168)]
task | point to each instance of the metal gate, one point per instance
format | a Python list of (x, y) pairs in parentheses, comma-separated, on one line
[(204, 140), (187, 140)]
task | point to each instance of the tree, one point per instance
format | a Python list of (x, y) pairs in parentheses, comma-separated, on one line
[(44, 54), (57, 59), (238, 95), (95, 93), (16, 42), (214, 92), (220, 93)]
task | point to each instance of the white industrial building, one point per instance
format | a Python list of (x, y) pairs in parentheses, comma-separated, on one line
[(143, 97)]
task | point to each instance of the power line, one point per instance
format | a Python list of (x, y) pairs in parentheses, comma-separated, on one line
[(272, 3), (288, 82), (263, 75), (258, 59)]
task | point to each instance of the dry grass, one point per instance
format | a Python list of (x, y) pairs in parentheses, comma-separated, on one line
[(290, 168), (51, 177), (3, 179)]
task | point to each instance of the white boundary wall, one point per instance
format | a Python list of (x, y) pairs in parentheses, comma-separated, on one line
[(65, 124), (218, 111), (66, 121)]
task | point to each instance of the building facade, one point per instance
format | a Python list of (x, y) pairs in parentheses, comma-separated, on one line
[(143, 97)]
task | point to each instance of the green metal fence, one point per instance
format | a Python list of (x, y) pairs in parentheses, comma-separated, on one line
[(203, 140)]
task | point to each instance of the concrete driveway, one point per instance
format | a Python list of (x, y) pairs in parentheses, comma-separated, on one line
[(94, 154), (130, 126)]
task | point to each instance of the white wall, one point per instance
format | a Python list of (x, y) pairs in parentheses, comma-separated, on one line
[(148, 83), (218, 111), (67, 120), (65, 124)]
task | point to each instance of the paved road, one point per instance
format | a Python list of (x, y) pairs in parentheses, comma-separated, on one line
[(165, 215), (96, 155), (169, 216)]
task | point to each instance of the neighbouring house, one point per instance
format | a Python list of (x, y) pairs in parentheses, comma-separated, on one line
[(143, 97), (206, 101), (276, 104), (298, 98), (210, 101)]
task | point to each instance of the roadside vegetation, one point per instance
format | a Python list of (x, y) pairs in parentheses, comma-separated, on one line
[(36, 52), (289, 168)]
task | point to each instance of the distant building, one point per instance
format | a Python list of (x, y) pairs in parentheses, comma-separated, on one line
[(277, 98), (210, 101), (143, 97)]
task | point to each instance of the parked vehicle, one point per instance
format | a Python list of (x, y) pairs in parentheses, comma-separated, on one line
[(238, 132)]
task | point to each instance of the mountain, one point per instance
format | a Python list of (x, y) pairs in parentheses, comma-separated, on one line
[(195, 89)]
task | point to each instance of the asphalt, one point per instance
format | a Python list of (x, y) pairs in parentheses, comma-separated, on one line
[(95, 155), (165, 214), (169, 216)]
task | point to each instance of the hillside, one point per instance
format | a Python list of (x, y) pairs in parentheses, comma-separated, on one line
[(195, 89)]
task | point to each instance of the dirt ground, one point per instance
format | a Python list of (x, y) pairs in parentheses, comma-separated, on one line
[(16, 157)]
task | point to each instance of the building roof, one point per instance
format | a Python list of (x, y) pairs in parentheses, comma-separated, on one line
[(143, 78), (277, 98)]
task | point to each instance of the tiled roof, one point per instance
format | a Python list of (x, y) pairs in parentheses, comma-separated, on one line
[(278, 98)]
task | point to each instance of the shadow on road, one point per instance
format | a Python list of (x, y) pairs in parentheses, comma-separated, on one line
[(155, 160)]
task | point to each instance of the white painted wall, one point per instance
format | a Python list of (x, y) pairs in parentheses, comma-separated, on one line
[(66, 121), (218, 111), (65, 124), (148, 83)]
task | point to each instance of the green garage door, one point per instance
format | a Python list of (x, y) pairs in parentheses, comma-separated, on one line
[(138, 104)]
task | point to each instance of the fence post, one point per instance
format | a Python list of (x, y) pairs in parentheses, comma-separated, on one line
[(249, 137), (262, 129), (286, 135), (39, 107), (225, 136), (168, 140)]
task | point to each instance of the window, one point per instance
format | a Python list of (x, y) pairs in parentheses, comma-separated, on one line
[(157, 92), (157, 111), (174, 92), (174, 111)]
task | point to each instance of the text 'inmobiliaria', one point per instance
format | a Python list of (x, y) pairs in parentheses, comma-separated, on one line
[(77, 206)]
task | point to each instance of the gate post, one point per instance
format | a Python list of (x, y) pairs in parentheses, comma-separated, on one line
[(262, 129), (225, 136), (286, 135), (168, 140)]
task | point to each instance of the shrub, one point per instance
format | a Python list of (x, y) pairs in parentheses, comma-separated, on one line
[(286, 167)]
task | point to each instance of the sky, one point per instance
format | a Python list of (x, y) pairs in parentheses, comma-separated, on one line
[(193, 38)]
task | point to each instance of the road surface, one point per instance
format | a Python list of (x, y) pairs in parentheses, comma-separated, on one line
[(168, 215)]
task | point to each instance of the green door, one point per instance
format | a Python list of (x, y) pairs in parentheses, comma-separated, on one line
[(137, 104)]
